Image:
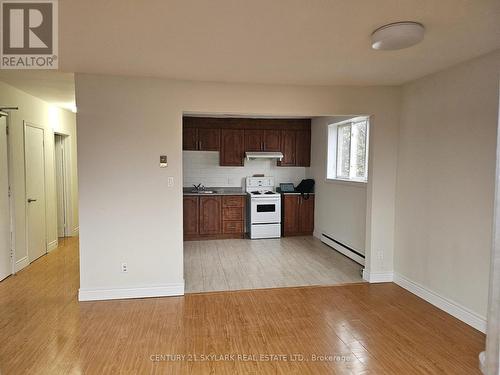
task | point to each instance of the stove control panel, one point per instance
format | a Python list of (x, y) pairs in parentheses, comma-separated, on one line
[(260, 183)]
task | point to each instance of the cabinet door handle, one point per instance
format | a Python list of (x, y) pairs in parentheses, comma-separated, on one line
[(199, 145)]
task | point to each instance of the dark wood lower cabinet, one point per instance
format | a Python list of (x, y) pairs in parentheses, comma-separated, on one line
[(235, 227), (306, 215), (210, 215), (191, 213), (214, 217), (232, 214), (290, 214), (297, 217)]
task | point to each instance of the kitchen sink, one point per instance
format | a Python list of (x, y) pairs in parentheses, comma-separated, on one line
[(203, 191)]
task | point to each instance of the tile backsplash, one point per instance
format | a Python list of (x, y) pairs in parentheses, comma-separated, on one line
[(203, 167)]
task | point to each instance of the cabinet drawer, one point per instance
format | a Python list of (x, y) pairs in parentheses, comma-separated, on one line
[(233, 201), (233, 227), (232, 213)]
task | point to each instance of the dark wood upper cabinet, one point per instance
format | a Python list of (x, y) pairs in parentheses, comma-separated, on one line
[(210, 215), (233, 136), (200, 139), (190, 139), (232, 147), (288, 148), (272, 140), (303, 148), (191, 222), (262, 140), (208, 139), (254, 140)]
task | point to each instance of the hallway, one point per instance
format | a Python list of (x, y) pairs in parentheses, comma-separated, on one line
[(375, 329)]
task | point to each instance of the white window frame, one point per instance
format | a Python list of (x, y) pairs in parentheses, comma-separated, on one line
[(332, 147)]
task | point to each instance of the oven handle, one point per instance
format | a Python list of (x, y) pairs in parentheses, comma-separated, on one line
[(265, 200)]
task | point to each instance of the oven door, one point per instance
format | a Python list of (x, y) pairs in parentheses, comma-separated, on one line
[(265, 210)]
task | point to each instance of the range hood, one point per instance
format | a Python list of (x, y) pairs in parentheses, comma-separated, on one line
[(264, 155)]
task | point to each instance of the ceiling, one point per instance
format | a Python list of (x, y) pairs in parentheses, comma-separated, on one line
[(54, 87), (313, 42)]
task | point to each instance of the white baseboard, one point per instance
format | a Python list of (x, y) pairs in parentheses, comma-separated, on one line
[(176, 289), (76, 231), (52, 245), (21, 263), (341, 249), (455, 309), (377, 277)]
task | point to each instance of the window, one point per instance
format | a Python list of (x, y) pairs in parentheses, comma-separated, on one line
[(348, 150)]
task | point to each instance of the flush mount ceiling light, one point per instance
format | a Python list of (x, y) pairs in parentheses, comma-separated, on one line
[(397, 35)]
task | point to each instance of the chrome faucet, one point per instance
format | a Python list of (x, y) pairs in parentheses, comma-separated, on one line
[(199, 187)]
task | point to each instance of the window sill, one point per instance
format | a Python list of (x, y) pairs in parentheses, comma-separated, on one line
[(340, 181)]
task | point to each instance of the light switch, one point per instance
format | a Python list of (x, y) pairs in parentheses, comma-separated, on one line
[(163, 161), (170, 181)]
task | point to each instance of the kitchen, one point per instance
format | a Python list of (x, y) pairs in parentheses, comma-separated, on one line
[(249, 206)]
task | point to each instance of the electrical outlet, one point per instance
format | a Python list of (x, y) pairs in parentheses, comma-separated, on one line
[(170, 181), (380, 255), (124, 267)]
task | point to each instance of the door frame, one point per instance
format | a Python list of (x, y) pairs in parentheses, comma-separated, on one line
[(489, 361), (26, 233), (10, 198), (12, 201), (67, 171)]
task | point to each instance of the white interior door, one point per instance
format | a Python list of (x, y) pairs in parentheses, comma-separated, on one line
[(35, 192), (5, 257), (60, 185)]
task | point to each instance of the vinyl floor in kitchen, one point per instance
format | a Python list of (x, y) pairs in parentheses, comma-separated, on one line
[(219, 265)]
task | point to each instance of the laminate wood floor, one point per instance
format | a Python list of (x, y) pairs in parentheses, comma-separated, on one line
[(219, 265), (346, 329)]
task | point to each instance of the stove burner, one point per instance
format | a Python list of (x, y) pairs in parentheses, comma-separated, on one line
[(267, 192)]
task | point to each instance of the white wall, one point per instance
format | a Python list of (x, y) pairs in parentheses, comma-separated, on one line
[(52, 119), (127, 212), (445, 184), (340, 206), (203, 167)]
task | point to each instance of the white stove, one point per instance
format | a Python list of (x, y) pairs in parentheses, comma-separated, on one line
[(264, 215)]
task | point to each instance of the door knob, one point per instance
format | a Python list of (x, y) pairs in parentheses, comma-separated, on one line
[(31, 200)]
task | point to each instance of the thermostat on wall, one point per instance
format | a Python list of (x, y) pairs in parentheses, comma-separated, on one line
[(163, 161)]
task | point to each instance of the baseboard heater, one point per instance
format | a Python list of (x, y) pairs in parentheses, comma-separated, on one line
[(343, 249)]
